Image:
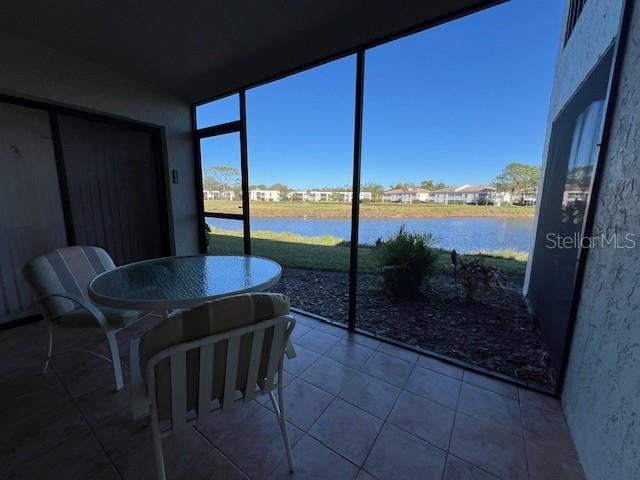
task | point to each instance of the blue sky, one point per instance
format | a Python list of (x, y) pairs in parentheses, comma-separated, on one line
[(454, 104)]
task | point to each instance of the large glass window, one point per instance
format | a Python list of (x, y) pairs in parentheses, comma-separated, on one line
[(220, 111), (453, 133), (300, 139), (573, 155), (220, 136), (454, 123), (221, 173), (225, 236)]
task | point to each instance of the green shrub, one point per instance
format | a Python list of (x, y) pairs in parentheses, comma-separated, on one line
[(406, 259), (207, 233)]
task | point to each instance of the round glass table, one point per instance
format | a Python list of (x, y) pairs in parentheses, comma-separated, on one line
[(171, 283)]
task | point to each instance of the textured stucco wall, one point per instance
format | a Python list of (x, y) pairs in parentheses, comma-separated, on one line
[(35, 71), (593, 34), (595, 30), (601, 397)]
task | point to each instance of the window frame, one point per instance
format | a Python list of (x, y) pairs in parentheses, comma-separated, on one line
[(236, 126)]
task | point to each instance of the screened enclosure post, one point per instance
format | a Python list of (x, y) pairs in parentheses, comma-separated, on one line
[(355, 200), (244, 167), (197, 160)]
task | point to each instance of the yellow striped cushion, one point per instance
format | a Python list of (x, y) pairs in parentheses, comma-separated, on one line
[(214, 317), (66, 270)]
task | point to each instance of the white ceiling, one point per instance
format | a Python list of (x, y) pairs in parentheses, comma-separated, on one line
[(200, 49)]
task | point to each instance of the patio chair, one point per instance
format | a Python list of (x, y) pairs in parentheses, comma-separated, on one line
[(60, 279), (209, 360)]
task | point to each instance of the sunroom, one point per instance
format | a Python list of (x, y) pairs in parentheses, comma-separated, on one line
[(393, 241)]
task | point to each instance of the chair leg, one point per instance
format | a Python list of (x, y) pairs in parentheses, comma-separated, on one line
[(157, 446), (279, 408), (115, 359), (46, 363)]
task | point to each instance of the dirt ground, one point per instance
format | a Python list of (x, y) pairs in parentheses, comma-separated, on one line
[(494, 331)]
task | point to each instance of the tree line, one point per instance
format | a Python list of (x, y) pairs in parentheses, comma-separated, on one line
[(517, 179)]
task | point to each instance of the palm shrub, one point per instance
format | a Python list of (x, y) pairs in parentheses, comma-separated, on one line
[(406, 258), (474, 274)]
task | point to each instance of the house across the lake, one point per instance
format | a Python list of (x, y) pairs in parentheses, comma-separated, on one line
[(264, 195), (298, 196), (320, 196), (468, 194), (406, 196), (348, 196), (218, 194)]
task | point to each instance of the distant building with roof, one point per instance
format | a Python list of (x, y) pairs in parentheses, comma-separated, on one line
[(468, 194), (320, 196), (409, 195), (348, 196), (264, 195)]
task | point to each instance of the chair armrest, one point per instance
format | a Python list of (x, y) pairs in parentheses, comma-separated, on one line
[(138, 388), (84, 303)]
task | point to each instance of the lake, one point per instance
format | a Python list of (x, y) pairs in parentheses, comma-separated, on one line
[(465, 234)]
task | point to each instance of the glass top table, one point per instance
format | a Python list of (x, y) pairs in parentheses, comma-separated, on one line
[(182, 282)]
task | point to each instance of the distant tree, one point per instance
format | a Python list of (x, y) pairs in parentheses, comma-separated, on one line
[(283, 189), (220, 177), (403, 186), (517, 178), (431, 185), (376, 190)]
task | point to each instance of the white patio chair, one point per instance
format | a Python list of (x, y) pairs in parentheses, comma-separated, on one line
[(209, 360), (60, 279)]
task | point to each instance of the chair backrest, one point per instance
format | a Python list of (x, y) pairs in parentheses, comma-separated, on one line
[(66, 270), (215, 355)]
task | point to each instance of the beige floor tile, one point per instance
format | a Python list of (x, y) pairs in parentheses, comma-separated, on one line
[(489, 447), (347, 430), (350, 353), (492, 384), (458, 469), (317, 341), (388, 368), (423, 418), (329, 375), (439, 366), (304, 403), (78, 457), (434, 386), (370, 394), (315, 461), (256, 446), (304, 359), (398, 455), (490, 407)]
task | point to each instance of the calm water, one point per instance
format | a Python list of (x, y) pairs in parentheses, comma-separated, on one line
[(464, 234)]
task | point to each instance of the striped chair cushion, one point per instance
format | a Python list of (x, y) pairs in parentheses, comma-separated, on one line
[(69, 270), (217, 316)]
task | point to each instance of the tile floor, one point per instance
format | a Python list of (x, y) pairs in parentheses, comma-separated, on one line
[(357, 408)]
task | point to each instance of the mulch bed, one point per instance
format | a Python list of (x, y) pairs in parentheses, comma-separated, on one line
[(494, 331)]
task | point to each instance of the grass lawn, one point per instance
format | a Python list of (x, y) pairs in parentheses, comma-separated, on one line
[(368, 210), (330, 253)]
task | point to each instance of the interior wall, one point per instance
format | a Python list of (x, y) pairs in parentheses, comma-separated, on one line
[(601, 395), (36, 71)]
